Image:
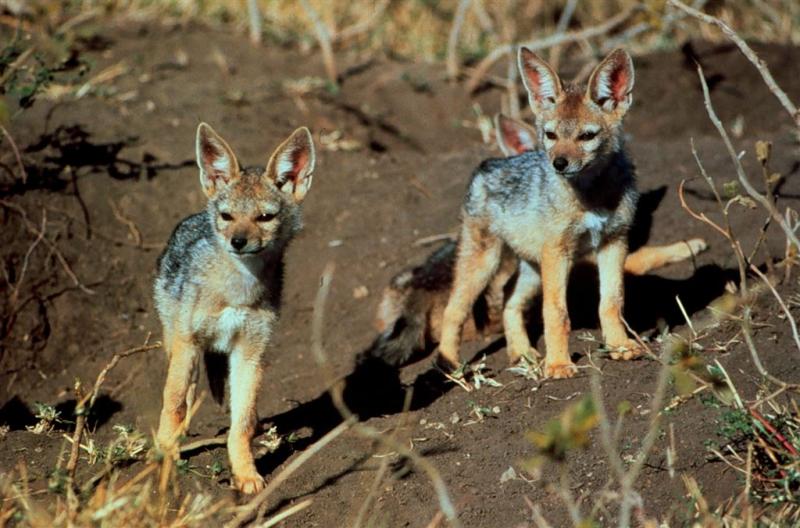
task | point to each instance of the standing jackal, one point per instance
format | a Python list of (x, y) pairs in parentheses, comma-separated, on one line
[(218, 287), (573, 196), (409, 315)]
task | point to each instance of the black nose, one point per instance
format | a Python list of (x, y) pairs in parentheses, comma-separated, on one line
[(560, 164), (238, 243)]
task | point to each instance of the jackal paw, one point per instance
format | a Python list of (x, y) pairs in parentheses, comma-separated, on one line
[(560, 370), (625, 351), (531, 356), (166, 437), (697, 245), (449, 366), (249, 483)]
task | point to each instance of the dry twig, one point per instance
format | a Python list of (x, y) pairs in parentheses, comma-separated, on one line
[(247, 511), (748, 52), (452, 40), (336, 388), (324, 38), (50, 244), (86, 401), (23, 174), (496, 54)]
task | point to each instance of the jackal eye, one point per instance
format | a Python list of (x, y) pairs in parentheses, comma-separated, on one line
[(226, 216), (265, 217), (551, 135), (587, 136)]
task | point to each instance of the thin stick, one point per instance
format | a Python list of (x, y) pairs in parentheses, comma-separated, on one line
[(742, 175), (363, 26), (204, 442), (286, 513), (497, 53), (785, 308), (25, 262), (247, 511), (14, 66), (254, 18), (335, 390), (452, 39), (130, 224), (748, 52), (433, 239), (53, 247), (324, 38), (82, 410), (16, 153)]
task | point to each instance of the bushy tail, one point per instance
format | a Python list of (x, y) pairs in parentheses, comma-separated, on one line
[(401, 344), (405, 312)]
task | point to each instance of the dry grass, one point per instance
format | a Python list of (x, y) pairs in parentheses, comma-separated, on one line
[(419, 29)]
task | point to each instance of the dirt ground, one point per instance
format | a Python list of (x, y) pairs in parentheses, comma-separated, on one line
[(121, 159)]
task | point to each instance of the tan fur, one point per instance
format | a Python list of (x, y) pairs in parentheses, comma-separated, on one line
[(404, 299), (581, 135), (219, 283)]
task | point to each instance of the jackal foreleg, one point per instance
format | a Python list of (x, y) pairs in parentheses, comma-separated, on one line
[(610, 265)]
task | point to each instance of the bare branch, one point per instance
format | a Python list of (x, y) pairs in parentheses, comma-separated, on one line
[(748, 52), (16, 153), (254, 18), (246, 512), (363, 26), (496, 54), (740, 172), (324, 38), (452, 40)]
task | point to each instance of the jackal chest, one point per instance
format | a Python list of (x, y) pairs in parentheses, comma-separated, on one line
[(222, 330), (591, 229)]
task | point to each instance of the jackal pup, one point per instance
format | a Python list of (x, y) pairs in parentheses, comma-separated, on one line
[(573, 196), (218, 287), (409, 315)]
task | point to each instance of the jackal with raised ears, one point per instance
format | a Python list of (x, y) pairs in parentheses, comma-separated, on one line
[(410, 313), (219, 281)]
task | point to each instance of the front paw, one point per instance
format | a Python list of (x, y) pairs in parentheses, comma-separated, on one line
[(249, 483), (529, 355), (625, 351), (560, 370), (451, 367)]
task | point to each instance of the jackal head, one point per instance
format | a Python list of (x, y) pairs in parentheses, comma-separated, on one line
[(578, 127), (254, 209)]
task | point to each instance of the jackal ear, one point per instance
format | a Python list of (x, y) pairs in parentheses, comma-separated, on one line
[(291, 166), (514, 137), (611, 82), (218, 165), (541, 82)]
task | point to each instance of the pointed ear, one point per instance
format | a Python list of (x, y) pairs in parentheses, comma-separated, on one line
[(541, 82), (514, 137), (291, 166), (218, 165), (611, 82)]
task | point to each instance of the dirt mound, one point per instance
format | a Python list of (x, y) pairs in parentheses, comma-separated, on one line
[(113, 172)]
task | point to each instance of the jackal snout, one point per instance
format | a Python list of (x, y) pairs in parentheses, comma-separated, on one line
[(254, 208)]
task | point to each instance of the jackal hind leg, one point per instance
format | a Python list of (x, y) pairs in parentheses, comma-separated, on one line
[(477, 260), (496, 291), (649, 258), (518, 344)]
